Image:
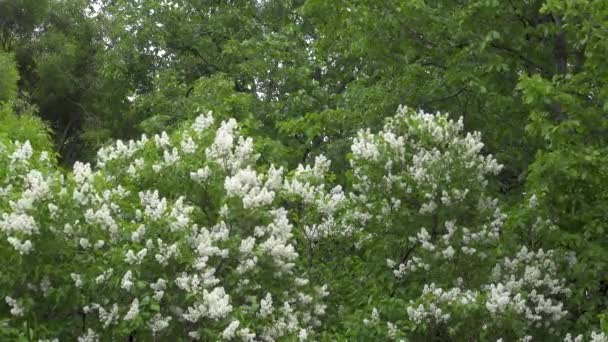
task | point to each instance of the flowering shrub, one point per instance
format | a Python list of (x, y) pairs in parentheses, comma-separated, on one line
[(171, 236), (424, 184), (185, 235), (421, 197)]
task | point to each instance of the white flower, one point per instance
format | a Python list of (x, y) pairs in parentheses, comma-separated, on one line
[(159, 323), (23, 152), (392, 329), (499, 298), (202, 122), (22, 248), (16, 309), (375, 315), (84, 243), (107, 317), (301, 281), (127, 282), (224, 140), (18, 223), (154, 206), (247, 184), (598, 337), (159, 288), (133, 310), (266, 306), (138, 234), (218, 303), (215, 305), (188, 145), (247, 245), (230, 330), (448, 253), (201, 175), (428, 208), (569, 338), (77, 279), (104, 276), (364, 146), (246, 335), (162, 140), (45, 286), (303, 335), (90, 336), (135, 259)]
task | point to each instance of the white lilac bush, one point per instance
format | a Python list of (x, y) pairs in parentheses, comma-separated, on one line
[(173, 236), (186, 236), (421, 198)]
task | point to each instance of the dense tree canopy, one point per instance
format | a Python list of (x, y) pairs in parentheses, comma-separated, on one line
[(304, 169)]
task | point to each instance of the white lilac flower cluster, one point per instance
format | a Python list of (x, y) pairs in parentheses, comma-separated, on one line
[(528, 284), (435, 300), (423, 165), (593, 337), (308, 185), (169, 235), (32, 189), (526, 287)]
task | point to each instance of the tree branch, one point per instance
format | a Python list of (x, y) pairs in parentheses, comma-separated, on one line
[(522, 57)]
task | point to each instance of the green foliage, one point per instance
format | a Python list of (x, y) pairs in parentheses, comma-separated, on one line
[(24, 127), (18, 18), (9, 77)]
